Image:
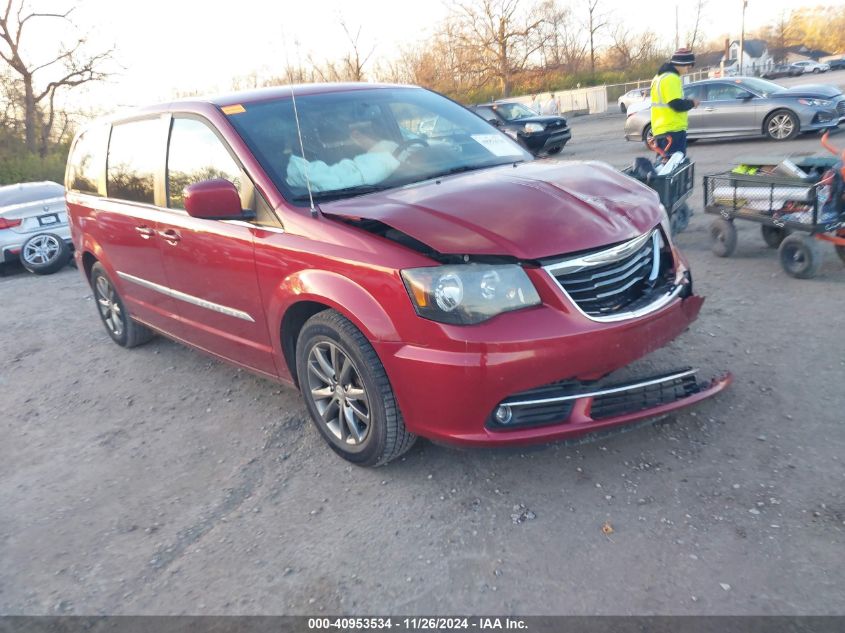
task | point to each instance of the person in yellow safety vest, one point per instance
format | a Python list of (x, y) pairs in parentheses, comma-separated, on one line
[(668, 106)]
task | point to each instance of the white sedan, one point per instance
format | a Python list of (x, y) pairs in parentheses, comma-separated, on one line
[(33, 226), (637, 95), (809, 66)]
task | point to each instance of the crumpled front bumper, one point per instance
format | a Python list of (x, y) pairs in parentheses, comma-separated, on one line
[(450, 393)]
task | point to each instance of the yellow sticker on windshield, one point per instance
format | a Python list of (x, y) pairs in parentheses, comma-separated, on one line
[(233, 109)]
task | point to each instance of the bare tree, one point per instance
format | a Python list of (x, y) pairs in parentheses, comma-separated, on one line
[(595, 22), (561, 43), (498, 35), (695, 35), (627, 49), (355, 59), (77, 68), (782, 33)]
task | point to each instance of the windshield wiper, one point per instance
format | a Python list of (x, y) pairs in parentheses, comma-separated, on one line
[(357, 190), (463, 168)]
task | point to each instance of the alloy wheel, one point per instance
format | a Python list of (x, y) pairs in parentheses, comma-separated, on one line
[(42, 249), (336, 388), (781, 126), (109, 306)]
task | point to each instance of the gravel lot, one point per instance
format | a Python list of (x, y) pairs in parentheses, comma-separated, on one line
[(158, 481)]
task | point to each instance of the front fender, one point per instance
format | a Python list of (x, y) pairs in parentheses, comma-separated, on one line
[(335, 291)]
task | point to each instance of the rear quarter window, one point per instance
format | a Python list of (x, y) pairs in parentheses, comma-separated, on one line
[(136, 155), (86, 166)]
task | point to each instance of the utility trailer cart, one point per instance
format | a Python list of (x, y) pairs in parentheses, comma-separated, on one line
[(795, 214)]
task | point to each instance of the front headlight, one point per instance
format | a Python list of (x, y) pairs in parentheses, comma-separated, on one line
[(533, 127), (816, 103), (465, 294)]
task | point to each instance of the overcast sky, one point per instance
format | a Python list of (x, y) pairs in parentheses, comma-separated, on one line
[(167, 46)]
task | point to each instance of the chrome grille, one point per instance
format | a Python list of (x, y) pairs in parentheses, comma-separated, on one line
[(617, 280)]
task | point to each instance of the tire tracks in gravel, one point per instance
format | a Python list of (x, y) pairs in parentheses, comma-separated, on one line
[(248, 479)]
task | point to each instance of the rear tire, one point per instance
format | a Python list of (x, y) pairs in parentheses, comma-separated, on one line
[(773, 236), (622, 108), (722, 237), (840, 250), (113, 313), (347, 392), (801, 256), (45, 254), (554, 150)]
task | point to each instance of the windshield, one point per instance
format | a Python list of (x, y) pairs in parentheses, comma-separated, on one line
[(761, 86), (514, 111), (362, 141)]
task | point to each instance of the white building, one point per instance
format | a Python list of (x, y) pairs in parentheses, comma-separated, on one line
[(756, 58)]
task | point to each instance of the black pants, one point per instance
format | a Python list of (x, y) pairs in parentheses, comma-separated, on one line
[(678, 144)]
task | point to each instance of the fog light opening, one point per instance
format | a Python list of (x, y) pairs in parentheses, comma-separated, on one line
[(504, 414)]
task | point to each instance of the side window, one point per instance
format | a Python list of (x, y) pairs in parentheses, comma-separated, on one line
[(694, 92), (724, 92), (196, 154), (134, 157), (487, 113), (87, 164)]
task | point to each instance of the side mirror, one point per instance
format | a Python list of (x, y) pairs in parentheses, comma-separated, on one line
[(495, 122), (745, 96), (215, 199)]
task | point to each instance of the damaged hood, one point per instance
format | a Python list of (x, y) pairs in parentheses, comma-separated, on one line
[(528, 211)]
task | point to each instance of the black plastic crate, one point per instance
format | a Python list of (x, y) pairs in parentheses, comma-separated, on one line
[(673, 188)]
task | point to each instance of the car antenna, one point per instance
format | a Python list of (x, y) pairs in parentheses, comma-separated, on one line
[(298, 126)]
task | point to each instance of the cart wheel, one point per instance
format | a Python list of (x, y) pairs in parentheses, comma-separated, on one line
[(773, 235), (840, 250), (800, 256), (722, 237)]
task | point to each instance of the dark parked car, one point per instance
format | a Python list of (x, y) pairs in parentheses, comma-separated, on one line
[(837, 64), (782, 70), (748, 106), (461, 290), (539, 134)]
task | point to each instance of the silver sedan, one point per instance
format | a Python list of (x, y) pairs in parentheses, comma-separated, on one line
[(33, 226), (748, 106)]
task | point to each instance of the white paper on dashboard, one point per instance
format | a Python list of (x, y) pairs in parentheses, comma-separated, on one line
[(496, 144)]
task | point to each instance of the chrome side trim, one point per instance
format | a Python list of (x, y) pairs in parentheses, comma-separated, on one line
[(182, 296), (601, 392), (627, 248)]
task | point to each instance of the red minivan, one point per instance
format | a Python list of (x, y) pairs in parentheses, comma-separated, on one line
[(411, 269)]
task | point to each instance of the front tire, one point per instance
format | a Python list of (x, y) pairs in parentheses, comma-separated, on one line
[(800, 256), (782, 125), (113, 313), (347, 392), (45, 254), (648, 137)]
